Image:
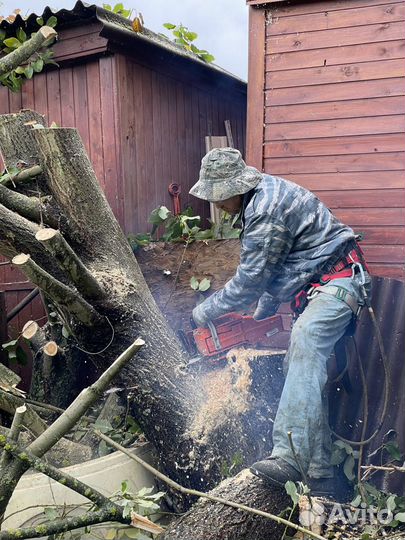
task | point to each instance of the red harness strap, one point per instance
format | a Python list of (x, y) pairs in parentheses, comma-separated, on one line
[(342, 269)]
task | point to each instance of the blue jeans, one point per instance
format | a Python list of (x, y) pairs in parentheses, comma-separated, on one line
[(303, 408)]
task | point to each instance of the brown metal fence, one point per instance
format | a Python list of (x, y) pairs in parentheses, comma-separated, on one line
[(347, 409)]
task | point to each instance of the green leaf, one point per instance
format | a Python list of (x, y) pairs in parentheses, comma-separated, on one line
[(356, 501), (132, 533), (194, 283), (209, 58), (51, 513), (107, 7), (163, 212), (169, 26), (65, 332), (191, 36), (393, 450), (124, 486), (103, 449), (21, 356), (10, 344), (338, 456), (118, 7), (40, 21), (291, 490), (204, 285), (154, 217), (400, 517), (391, 504), (12, 42), (52, 21), (348, 468), (19, 70), (103, 425), (345, 446), (21, 35), (29, 72), (144, 491), (38, 65)]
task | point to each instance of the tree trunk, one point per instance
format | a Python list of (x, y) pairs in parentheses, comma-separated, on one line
[(212, 521), (203, 425)]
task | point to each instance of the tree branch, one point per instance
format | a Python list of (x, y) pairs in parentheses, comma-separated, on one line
[(14, 432), (26, 50), (58, 292), (8, 377), (32, 208), (32, 421), (63, 525), (62, 477), (84, 400), (23, 176), (109, 511), (57, 246), (64, 423), (200, 494)]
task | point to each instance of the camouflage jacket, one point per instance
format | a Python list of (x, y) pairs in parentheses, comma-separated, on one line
[(289, 238)]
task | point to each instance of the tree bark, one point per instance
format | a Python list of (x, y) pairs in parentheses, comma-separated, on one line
[(25, 51), (202, 424)]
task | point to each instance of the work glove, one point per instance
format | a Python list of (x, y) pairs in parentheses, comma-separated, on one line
[(266, 307), (200, 318)]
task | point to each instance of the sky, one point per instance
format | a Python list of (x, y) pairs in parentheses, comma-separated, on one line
[(221, 25)]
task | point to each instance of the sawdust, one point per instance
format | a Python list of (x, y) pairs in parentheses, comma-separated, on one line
[(227, 393), (115, 279)]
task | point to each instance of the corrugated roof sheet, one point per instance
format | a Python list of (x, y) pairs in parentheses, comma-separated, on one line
[(389, 305), (114, 26)]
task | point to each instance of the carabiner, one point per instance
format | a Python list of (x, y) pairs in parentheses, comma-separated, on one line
[(359, 266)]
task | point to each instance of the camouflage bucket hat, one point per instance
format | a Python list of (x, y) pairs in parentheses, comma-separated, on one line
[(224, 174)]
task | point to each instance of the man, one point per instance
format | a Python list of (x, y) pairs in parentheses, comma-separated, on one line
[(293, 248)]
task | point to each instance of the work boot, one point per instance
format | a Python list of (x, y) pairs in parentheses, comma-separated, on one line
[(275, 471), (323, 487)]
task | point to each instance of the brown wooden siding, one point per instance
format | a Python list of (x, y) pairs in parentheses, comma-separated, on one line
[(163, 124), (334, 113)]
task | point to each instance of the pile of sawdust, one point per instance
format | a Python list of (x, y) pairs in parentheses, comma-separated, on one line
[(114, 279), (227, 393)]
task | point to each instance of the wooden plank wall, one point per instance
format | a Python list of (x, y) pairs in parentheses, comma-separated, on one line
[(164, 121), (335, 114)]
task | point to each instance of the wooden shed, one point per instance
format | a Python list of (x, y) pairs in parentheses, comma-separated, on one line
[(326, 109), (143, 107)]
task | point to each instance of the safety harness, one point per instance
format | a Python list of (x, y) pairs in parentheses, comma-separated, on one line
[(351, 264)]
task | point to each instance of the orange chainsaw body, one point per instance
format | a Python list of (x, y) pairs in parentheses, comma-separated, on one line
[(235, 330)]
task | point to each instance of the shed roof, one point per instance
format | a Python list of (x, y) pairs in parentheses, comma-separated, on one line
[(115, 28)]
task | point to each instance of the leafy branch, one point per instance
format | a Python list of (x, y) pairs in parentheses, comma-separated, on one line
[(185, 38), (24, 55), (184, 227)]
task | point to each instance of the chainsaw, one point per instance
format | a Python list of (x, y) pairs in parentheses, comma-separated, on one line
[(230, 331)]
